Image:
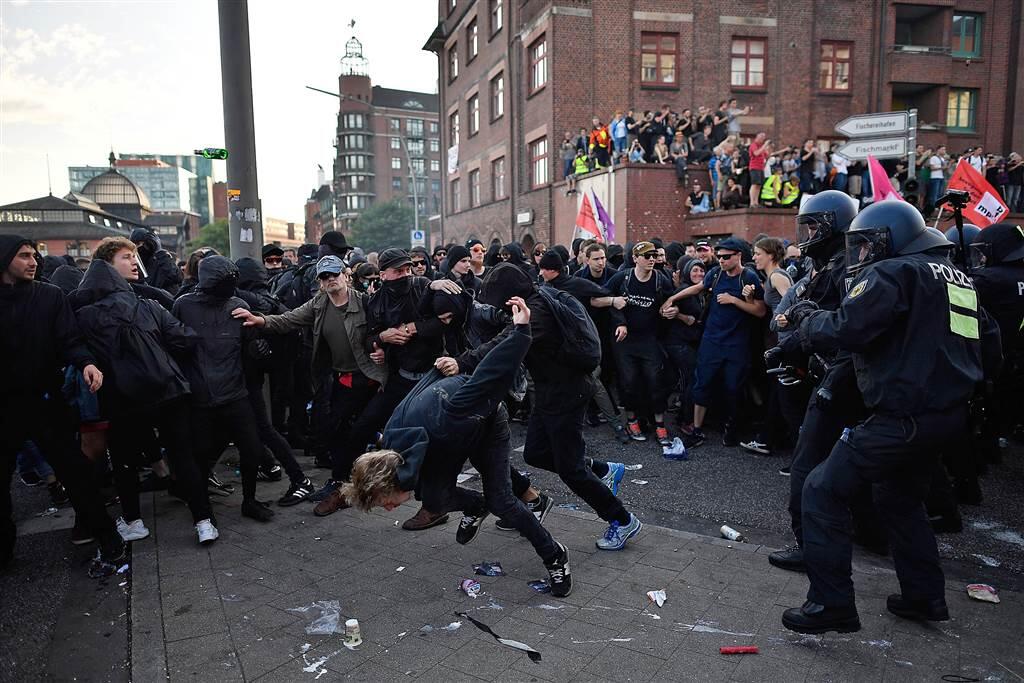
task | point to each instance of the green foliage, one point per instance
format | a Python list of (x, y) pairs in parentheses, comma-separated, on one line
[(212, 235), (382, 226)]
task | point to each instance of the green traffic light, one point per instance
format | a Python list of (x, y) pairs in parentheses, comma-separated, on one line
[(212, 153)]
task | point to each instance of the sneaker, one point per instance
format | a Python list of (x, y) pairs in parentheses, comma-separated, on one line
[(258, 510), (784, 471), (136, 531), (30, 478), (695, 438), (297, 493), (272, 473), (58, 496), (469, 527), (615, 536), (326, 490), (614, 476), (217, 487), (80, 535), (620, 434), (540, 507), (206, 532), (661, 434), (755, 446), (634, 431), (559, 576)]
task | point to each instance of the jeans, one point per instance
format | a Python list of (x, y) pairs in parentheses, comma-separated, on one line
[(895, 455), (619, 145), (684, 361), (934, 190), (727, 367), (1013, 193), (31, 460), (600, 396), (639, 367), (215, 426), (346, 405), (680, 164), (839, 182), (271, 438)]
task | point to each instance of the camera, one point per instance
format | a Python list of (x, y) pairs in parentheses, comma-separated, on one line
[(958, 199)]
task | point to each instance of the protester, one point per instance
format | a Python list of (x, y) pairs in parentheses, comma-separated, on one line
[(160, 269)]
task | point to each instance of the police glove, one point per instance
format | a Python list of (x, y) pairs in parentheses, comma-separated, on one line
[(798, 312)]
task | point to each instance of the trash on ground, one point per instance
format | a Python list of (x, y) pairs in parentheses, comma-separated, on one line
[(396, 522), (454, 626), (738, 650), (657, 597), (325, 615), (48, 512), (515, 644), (677, 451), (470, 587), (634, 468), (569, 506), (540, 585), (640, 482), (731, 534), (399, 569), (99, 569), (122, 569), (983, 592), (987, 561), (489, 569), (353, 634)]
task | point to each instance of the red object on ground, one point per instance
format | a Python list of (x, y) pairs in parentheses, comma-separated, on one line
[(739, 650)]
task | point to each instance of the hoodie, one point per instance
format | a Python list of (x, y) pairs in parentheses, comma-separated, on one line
[(161, 270), (67, 278)]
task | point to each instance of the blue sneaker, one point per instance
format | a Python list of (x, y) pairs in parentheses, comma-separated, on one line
[(615, 536), (614, 476)]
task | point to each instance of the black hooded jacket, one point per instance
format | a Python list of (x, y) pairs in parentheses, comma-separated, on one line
[(161, 270), (67, 278), (216, 371), (394, 304), (103, 303), (38, 336)]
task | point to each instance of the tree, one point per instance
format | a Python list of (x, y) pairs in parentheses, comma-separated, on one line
[(382, 226), (212, 235)]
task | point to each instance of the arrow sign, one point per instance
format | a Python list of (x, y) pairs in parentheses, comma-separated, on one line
[(867, 125), (880, 148)]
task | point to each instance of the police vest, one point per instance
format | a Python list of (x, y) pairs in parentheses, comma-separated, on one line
[(770, 190), (963, 301), (580, 165), (789, 193)]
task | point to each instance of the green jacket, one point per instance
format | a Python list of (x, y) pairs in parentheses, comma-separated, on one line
[(311, 313)]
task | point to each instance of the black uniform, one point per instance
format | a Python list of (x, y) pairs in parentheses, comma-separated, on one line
[(1001, 291), (913, 327)]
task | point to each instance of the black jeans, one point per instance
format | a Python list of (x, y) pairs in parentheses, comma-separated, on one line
[(639, 371), (213, 427), (271, 438), (896, 456), (302, 392), (554, 442), (49, 424), (376, 409), (348, 403), (684, 361)]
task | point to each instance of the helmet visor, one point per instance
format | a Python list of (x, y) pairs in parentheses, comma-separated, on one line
[(979, 255), (814, 228), (865, 247)]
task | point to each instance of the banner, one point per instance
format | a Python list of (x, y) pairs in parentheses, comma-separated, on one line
[(985, 207), (606, 221), (881, 186), (586, 225)]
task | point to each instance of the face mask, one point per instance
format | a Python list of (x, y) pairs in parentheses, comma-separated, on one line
[(399, 287), (223, 289)]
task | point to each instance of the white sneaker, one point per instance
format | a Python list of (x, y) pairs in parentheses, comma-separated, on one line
[(136, 531), (207, 532)]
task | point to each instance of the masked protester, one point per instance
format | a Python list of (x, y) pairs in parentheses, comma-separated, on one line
[(160, 269)]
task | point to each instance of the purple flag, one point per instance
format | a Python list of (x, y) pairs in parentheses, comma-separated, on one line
[(605, 220)]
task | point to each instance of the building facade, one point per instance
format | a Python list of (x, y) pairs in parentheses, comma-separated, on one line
[(319, 212), (515, 76), (168, 187), (69, 226), (200, 187), (282, 232), (388, 145)]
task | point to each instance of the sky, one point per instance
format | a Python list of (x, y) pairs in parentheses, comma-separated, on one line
[(78, 78)]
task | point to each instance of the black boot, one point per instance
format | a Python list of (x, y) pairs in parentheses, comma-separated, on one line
[(258, 510), (929, 610), (815, 618), (790, 559)]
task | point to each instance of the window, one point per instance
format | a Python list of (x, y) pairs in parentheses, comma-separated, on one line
[(396, 184), (355, 141), (453, 62), (496, 17), (473, 45), (456, 203), (498, 178), (414, 128), (415, 147), (417, 166), (474, 188), (834, 68), (396, 163), (658, 53), (538, 64), (435, 145), (474, 114), (497, 96), (435, 166), (433, 128), (748, 62), (396, 143), (395, 125), (539, 162), (353, 120), (966, 35), (961, 110), (453, 128)]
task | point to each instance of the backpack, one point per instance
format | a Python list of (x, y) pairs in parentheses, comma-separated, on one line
[(142, 372), (581, 345)]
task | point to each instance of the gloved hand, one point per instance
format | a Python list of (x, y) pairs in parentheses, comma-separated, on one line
[(259, 349), (798, 311)]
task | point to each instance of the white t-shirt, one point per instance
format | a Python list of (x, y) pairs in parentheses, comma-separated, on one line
[(935, 164), (840, 163), (977, 162)]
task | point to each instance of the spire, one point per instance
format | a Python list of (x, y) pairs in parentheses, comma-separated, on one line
[(353, 63), (112, 158)]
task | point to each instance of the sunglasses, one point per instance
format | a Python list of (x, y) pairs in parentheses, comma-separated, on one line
[(504, 255), (725, 257), (327, 276), (540, 252), (649, 255), (441, 253), (417, 264), (272, 259)]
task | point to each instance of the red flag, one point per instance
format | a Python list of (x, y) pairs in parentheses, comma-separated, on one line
[(881, 186), (985, 207), (585, 222)]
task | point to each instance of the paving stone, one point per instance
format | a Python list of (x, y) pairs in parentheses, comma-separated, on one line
[(210, 658), (621, 664), (697, 667)]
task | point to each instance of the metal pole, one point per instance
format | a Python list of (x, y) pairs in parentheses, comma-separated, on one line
[(245, 220), (912, 144), (412, 176)]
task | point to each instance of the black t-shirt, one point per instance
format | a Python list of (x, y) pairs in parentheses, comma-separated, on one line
[(1017, 175), (643, 300), (721, 131), (679, 333)]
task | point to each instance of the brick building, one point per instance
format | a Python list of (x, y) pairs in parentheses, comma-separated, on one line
[(386, 139), (516, 75)]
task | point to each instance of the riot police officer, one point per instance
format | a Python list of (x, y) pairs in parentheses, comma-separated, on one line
[(835, 402), (971, 233), (912, 324)]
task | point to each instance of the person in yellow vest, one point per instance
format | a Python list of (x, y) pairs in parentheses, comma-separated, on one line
[(772, 188), (790, 191), (580, 167)]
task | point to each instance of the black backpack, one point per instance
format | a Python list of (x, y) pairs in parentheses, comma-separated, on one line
[(581, 345), (142, 370)]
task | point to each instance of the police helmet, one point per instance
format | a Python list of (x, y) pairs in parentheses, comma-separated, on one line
[(999, 243), (823, 218), (947, 246), (885, 229)]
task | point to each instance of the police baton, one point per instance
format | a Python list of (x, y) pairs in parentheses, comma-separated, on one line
[(958, 200)]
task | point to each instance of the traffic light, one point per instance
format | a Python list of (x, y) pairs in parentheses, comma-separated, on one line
[(212, 153)]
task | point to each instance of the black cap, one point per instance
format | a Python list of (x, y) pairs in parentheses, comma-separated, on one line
[(731, 244), (336, 241), (272, 250), (551, 261), (473, 241), (393, 258)]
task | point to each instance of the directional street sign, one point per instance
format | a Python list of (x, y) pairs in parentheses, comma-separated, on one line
[(880, 148), (869, 125)]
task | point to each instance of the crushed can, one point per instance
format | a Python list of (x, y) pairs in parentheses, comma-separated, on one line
[(731, 534)]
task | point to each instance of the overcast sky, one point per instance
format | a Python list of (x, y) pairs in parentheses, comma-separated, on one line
[(81, 76)]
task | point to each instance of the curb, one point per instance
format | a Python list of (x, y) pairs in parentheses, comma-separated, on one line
[(146, 649)]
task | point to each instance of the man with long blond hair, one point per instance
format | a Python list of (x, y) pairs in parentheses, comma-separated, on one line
[(440, 424)]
